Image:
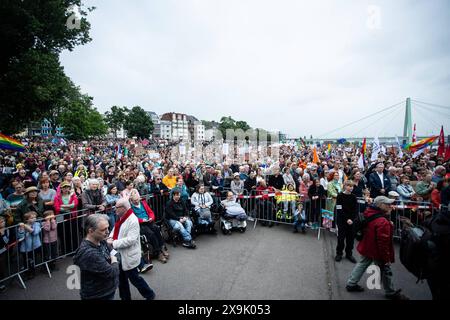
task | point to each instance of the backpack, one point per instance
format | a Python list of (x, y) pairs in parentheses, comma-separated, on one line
[(361, 222), (416, 247)]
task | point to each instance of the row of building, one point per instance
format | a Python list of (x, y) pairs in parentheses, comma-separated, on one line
[(169, 126)]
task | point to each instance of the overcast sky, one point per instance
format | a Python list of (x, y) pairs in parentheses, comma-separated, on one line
[(301, 67)]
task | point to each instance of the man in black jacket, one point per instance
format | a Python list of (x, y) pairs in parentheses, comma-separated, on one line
[(379, 183), (99, 269), (178, 215), (276, 181)]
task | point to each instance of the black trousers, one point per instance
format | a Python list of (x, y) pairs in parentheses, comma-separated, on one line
[(346, 239), (153, 235), (137, 281)]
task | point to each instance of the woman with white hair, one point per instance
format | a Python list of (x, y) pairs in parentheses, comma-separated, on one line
[(92, 198)]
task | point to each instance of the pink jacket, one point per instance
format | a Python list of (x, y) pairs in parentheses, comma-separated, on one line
[(49, 234), (58, 203)]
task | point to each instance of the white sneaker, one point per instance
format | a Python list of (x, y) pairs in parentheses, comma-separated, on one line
[(146, 267)]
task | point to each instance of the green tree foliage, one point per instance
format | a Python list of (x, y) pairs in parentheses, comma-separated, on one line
[(230, 123), (116, 118), (80, 120), (138, 123), (33, 33)]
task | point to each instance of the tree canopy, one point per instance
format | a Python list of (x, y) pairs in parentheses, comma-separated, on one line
[(33, 33), (138, 123)]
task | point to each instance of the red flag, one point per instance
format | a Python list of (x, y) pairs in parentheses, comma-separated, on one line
[(414, 138), (447, 153), (441, 149)]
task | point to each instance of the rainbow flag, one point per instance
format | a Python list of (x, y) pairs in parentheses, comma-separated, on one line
[(419, 145), (329, 149), (9, 143), (364, 148)]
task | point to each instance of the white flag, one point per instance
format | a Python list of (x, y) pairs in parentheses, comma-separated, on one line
[(361, 162), (182, 149), (225, 148), (418, 153), (375, 149)]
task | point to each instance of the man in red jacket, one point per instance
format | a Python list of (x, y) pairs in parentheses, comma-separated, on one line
[(377, 247)]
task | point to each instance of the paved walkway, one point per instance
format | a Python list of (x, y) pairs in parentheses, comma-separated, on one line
[(263, 264)]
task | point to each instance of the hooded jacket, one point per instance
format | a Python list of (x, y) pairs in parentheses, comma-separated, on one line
[(377, 243)]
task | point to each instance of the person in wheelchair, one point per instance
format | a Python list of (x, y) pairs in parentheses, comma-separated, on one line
[(233, 215), (202, 202), (148, 227), (177, 214)]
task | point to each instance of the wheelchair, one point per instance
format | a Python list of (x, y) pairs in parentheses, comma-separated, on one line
[(146, 248), (229, 223), (168, 234)]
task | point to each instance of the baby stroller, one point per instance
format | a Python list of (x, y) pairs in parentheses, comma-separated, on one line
[(230, 221)]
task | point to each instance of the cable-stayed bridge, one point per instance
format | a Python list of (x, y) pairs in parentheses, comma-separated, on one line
[(391, 119)]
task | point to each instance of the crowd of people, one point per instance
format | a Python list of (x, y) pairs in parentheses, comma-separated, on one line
[(45, 188)]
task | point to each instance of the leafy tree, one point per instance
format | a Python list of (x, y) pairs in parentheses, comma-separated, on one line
[(116, 118), (138, 123), (226, 123), (242, 125), (80, 120), (33, 33)]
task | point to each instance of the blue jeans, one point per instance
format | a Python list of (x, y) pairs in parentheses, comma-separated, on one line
[(286, 206), (204, 216), (184, 229), (137, 281), (112, 219)]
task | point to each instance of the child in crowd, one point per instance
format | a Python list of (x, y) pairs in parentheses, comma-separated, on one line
[(4, 242), (30, 247), (49, 238), (300, 218)]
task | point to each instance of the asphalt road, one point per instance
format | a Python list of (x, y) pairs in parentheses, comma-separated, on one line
[(262, 264)]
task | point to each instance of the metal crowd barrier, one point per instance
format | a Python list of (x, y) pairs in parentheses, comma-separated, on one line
[(267, 208), (17, 259)]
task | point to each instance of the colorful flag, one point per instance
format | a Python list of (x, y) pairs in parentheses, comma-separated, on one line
[(329, 149), (414, 138), (364, 147), (9, 143), (422, 144), (441, 149), (315, 157)]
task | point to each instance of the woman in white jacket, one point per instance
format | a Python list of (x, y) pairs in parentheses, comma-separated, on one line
[(125, 239), (202, 201)]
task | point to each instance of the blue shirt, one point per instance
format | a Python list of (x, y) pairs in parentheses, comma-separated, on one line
[(32, 240), (140, 211)]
